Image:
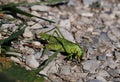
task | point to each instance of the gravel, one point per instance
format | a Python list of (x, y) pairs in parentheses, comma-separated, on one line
[(96, 30)]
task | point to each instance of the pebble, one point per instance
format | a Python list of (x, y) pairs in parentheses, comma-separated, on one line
[(80, 80), (112, 64), (94, 80), (116, 31), (102, 57), (31, 61), (35, 13), (38, 54), (104, 37), (14, 53), (27, 33), (52, 67), (91, 65), (106, 4), (84, 20), (101, 78), (116, 79), (118, 21), (106, 17), (91, 53), (71, 3), (85, 13), (103, 73), (116, 13), (67, 35), (88, 2), (16, 60), (65, 24), (113, 73), (42, 8), (111, 36), (36, 26), (65, 70)]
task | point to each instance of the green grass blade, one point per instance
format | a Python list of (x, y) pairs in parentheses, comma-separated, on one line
[(14, 35), (48, 61), (6, 43), (18, 73)]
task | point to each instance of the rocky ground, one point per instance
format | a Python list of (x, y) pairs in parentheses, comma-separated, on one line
[(94, 26)]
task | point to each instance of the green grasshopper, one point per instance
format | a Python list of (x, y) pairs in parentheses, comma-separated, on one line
[(55, 43)]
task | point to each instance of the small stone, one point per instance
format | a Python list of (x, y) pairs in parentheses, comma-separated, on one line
[(117, 44), (88, 2), (117, 54), (113, 72), (35, 13), (16, 60), (102, 57), (94, 80), (91, 65), (30, 23), (28, 50), (104, 37), (53, 67), (118, 21), (83, 21), (90, 29), (14, 53), (103, 73), (82, 75), (71, 3), (115, 31), (50, 68), (65, 70), (66, 24), (106, 17), (109, 22), (109, 54), (106, 4), (7, 26), (116, 79), (31, 61), (85, 13), (27, 33), (91, 53), (36, 26), (67, 35), (111, 36), (40, 8), (112, 64), (101, 78), (36, 43), (80, 80), (116, 12), (38, 54)]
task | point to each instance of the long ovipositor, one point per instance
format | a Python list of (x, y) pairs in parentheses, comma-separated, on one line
[(55, 43)]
